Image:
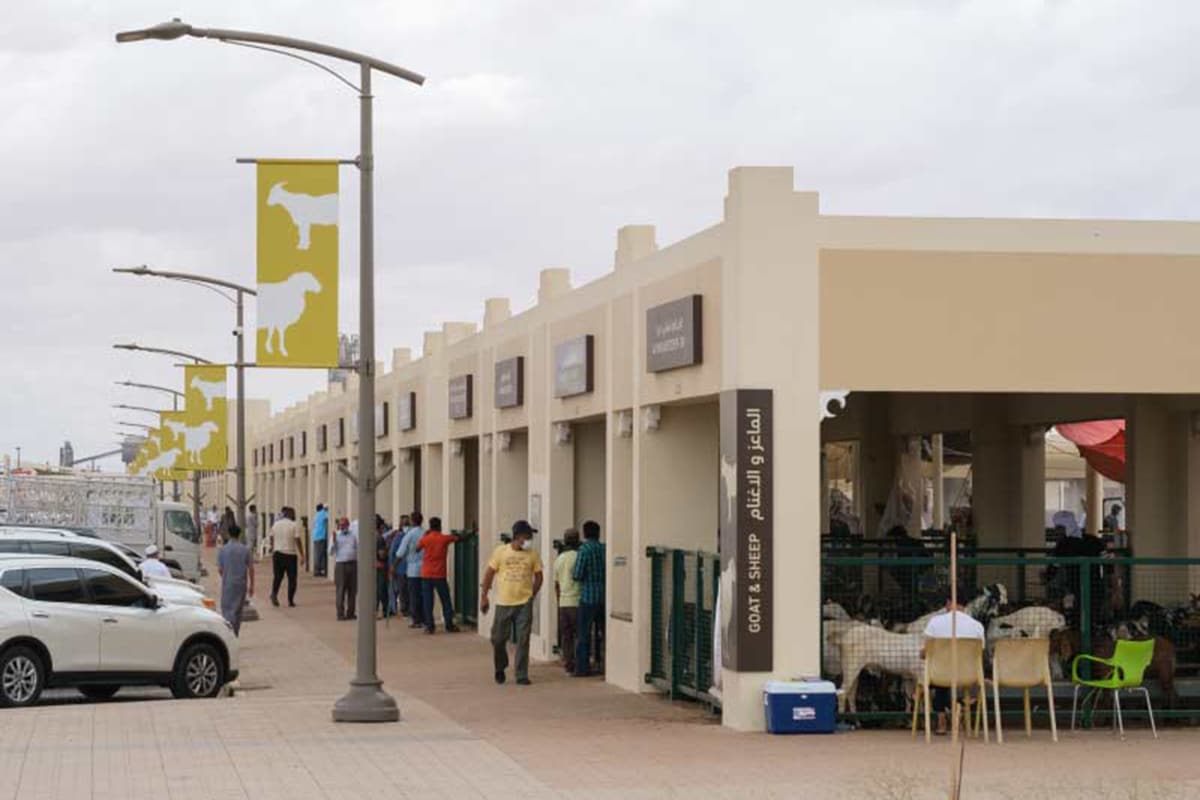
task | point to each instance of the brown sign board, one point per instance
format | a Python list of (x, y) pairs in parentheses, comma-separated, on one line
[(673, 334), (747, 529), (573, 366), (406, 412), (510, 382), (460, 397)]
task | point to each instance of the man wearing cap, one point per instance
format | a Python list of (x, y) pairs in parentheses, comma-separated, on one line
[(151, 567), (520, 572)]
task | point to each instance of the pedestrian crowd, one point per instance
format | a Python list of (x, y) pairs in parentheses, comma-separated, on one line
[(410, 562)]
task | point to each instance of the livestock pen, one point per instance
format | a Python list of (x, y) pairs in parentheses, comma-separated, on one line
[(1080, 604)]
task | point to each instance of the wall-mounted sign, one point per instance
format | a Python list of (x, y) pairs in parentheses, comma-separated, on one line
[(406, 414), (573, 366), (460, 397), (673, 334), (747, 530), (510, 382)]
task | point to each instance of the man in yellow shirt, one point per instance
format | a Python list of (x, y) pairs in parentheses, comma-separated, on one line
[(567, 590), (520, 573)]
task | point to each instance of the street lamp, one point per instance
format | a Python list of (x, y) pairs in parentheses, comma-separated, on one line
[(240, 333), (164, 351), (366, 701), (139, 408), (154, 387)]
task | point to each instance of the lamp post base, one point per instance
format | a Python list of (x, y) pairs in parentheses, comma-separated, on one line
[(366, 702)]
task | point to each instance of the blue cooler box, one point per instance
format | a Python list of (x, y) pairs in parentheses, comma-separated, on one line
[(800, 707)]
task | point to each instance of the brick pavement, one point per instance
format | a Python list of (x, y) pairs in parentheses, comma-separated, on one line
[(463, 737)]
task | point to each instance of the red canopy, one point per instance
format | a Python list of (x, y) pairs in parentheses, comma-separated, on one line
[(1101, 443)]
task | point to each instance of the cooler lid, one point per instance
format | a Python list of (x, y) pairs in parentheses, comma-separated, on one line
[(799, 687)]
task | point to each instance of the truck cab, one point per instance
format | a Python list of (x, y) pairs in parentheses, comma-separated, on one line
[(177, 536)]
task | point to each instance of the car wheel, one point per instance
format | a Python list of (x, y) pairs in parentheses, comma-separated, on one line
[(200, 672), (99, 691), (22, 677)]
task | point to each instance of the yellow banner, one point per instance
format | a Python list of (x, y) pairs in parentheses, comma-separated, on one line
[(202, 430), (159, 457), (297, 308)]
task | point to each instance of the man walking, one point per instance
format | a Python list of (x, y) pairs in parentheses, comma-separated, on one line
[(345, 568), (566, 590), (435, 544), (287, 545), (589, 571), (235, 565), (251, 538), (520, 573), (320, 549)]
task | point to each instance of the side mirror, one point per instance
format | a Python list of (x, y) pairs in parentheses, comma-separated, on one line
[(156, 602)]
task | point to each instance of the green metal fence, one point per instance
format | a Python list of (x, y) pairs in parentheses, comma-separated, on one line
[(1082, 604), (683, 592), (466, 578)]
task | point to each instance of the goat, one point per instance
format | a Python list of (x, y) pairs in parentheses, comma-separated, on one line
[(194, 439), (281, 305), (305, 210), (831, 609), (1031, 621), (862, 646), (983, 608), (211, 390)]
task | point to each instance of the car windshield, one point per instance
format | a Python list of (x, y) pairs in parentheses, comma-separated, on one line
[(180, 523)]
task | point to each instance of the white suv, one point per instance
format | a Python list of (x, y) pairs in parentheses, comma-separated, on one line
[(56, 542), (75, 622)]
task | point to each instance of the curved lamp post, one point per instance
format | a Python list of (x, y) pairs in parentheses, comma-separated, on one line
[(366, 701)]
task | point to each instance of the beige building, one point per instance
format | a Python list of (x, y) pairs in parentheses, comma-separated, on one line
[(631, 401)]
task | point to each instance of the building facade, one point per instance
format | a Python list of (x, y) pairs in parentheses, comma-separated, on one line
[(676, 401)]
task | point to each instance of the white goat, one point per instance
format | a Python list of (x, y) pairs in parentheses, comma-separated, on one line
[(305, 210), (1032, 621), (194, 439), (281, 305), (862, 646), (831, 609), (210, 389)]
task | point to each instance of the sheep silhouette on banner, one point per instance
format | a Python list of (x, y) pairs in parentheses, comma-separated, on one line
[(195, 439), (210, 389), (164, 460), (305, 210), (281, 305)]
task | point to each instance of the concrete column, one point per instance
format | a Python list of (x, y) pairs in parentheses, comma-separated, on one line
[(824, 493), (913, 479), (1009, 478), (939, 483), (1095, 500), (771, 239)]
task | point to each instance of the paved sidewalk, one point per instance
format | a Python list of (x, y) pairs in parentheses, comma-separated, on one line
[(464, 737)]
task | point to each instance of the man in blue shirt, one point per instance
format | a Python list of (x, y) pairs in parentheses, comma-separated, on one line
[(413, 559), (589, 572), (398, 569), (320, 551)]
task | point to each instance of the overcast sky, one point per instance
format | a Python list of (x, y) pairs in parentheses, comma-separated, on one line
[(543, 127)]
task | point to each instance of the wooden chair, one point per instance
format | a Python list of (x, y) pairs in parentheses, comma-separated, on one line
[(939, 671), (1022, 664)]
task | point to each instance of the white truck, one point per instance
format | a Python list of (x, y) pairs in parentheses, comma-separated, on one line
[(117, 508)]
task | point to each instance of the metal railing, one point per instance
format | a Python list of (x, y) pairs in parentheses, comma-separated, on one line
[(683, 594), (466, 578), (1096, 598)]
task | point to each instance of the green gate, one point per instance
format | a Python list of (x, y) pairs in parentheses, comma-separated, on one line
[(466, 578), (683, 594)]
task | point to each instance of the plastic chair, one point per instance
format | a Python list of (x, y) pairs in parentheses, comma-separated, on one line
[(939, 671), (1127, 666), (1022, 664)]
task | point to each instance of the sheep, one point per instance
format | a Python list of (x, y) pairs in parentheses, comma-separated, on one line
[(196, 439), (305, 210), (211, 390), (281, 305), (861, 646), (164, 460)]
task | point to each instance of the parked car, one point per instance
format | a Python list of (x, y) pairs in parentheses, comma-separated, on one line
[(56, 542), (74, 622)]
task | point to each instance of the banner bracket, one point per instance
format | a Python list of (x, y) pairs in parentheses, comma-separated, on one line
[(350, 476)]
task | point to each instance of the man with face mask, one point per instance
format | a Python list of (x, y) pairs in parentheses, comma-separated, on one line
[(520, 571)]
